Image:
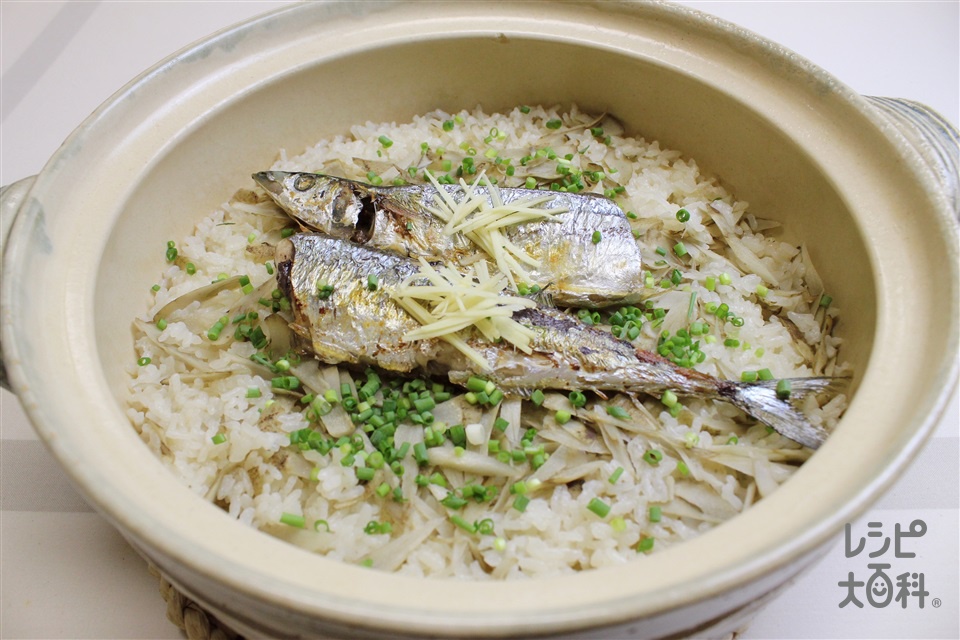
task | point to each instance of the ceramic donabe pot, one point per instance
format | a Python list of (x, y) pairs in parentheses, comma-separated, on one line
[(852, 178)]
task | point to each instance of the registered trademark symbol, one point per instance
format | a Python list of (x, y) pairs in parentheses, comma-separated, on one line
[(936, 602)]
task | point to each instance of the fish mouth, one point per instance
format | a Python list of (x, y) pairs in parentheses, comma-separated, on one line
[(270, 181)]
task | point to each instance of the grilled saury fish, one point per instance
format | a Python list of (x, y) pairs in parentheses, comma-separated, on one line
[(587, 254), (354, 324)]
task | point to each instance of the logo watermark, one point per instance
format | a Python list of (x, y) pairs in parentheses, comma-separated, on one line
[(879, 589)]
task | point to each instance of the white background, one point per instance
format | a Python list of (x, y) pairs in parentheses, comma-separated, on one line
[(64, 573)]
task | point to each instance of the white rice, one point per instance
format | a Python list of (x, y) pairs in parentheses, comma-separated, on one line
[(705, 477)]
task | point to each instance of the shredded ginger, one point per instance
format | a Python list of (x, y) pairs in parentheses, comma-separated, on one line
[(482, 217), (452, 301)]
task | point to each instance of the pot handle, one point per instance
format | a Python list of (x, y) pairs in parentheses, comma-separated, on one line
[(932, 136), (11, 197)]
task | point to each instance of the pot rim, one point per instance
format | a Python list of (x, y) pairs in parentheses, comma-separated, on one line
[(771, 557)]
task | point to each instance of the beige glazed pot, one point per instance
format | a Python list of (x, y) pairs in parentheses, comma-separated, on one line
[(869, 185)]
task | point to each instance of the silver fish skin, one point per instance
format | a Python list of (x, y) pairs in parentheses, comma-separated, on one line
[(361, 326), (579, 271)]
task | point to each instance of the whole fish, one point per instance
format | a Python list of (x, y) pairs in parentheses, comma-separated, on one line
[(350, 323), (587, 254)]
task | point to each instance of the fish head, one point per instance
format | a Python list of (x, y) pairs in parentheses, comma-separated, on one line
[(337, 207)]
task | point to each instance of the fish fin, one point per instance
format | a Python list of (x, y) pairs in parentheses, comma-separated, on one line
[(543, 297), (760, 400), (523, 393)]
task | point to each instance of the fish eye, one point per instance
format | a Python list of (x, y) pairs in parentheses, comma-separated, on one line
[(304, 181)]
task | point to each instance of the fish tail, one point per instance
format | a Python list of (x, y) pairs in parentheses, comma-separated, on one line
[(762, 401)]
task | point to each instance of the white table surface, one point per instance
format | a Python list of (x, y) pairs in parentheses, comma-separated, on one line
[(65, 573)]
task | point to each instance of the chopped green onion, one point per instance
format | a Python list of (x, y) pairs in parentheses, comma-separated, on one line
[(653, 457), (748, 376), (765, 374), (783, 389), (680, 249), (420, 454), (484, 527), (825, 300), (725, 278), (373, 527), (463, 524), (599, 507), (293, 520), (537, 397), (683, 469), (424, 404), (324, 290), (476, 384), (554, 124), (285, 382), (683, 215), (253, 392), (365, 474), (562, 417), (385, 141), (669, 398), (161, 324), (645, 544), (655, 513), (762, 291), (214, 332), (520, 503), (617, 412), (286, 232), (372, 282), (615, 475), (144, 361), (661, 251), (596, 237), (453, 501), (191, 269), (577, 398)]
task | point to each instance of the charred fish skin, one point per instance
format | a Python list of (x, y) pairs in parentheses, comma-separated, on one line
[(587, 254), (363, 325)]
